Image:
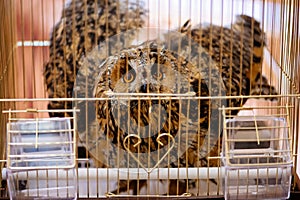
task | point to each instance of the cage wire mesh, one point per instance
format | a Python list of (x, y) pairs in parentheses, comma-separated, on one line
[(174, 98)]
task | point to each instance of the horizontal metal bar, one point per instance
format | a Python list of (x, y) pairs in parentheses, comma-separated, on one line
[(33, 43), (49, 167), (261, 140), (254, 107), (154, 97), (253, 127), (37, 111), (256, 116), (40, 132), (115, 174), (37, 143), (188, 94), (38, 155)]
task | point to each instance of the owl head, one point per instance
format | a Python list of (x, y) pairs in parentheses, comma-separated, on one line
[(145, 69)]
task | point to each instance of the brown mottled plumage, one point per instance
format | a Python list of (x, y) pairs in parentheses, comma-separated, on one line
[(202, 57), (150, 68), (84, 25), (194, 62), (238, 51)]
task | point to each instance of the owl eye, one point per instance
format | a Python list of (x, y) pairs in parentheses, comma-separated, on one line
[(129, 76), (156, 73)]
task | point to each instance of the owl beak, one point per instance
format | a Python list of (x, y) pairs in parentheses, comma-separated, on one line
[(143, 88)]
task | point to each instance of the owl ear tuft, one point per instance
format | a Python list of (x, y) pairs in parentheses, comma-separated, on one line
[(186, 27)]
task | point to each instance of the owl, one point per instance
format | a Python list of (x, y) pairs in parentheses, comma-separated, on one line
[(84, 25), (153, 128), (149, 112), (206, 61)]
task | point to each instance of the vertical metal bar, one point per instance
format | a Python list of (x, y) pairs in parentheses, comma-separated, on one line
[(209, 88), (12, 21), (178, 91), (297, 77), (288, 40), (264, 18), (273, 36), (199, 86), (179, 142), (74, 141), (241, 44), (37, 171), (43, 36), (54, 47), (65, 70), (85, 16), (74, 50), (188, 103), (248, 161), (170, 101), (169, 121), (231, 49), (47, 182), (281, 36), (32, 51), (97, 43), (73, 18), (22, 49), (36, 132), (225, 134), (220, 89), (9, 137), (159, 100), (139, 135), (256, 128), (119, 112), (107, 86)]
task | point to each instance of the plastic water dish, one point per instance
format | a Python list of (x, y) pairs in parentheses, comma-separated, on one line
[(39, 144), (256, 155)]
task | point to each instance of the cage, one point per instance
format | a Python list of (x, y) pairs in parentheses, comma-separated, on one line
[(149, 99)]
